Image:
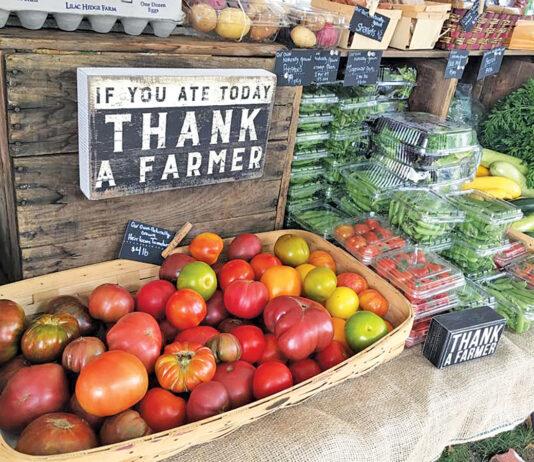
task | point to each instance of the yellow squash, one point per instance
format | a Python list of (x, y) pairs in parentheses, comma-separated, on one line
[(498, 186), (482, 171)]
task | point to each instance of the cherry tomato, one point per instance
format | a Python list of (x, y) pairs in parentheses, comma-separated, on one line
[(323, 259), (282, 280), (304, 369), (185, 309), (162, 410), (343, 232), (374, 301), (262, 262), (361, 228), (270, 378), (237, 378), (385, 266), (199, 334), (355, 242), (372, 223), (206, 247), (333, 354), (252, 342), (272, 352), (152, 298), (110, 302), (353, 281), (235, 270), (371, 237)]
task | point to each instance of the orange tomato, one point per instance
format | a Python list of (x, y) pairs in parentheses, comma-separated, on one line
[(304, 269), (373, 301), (389, 325), (353, 281), (282, 280), (339, 331), (322, 259), (206, 247)]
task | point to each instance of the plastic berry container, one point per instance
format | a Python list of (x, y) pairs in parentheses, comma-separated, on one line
[(517, 251), (307, 140), (304, 190), (342, 202), (368, 237), (317, 99), (305, 175), (434, 305), (418, 333), (473, 295), (309, 157), (332, 168), (523, 268), (318, 218)]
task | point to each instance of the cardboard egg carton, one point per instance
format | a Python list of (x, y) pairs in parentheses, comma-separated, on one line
[(135, 15)]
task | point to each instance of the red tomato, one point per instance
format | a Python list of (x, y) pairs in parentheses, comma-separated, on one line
[(333, 354), (361, 228), (246, 299), (12, 321), (75, 408), (138, 334), (122, 427), (383, 233), (354, 243), (373, 301), (372, 223), (10, 368), (32, 392), (320, 258), (79, 352), (237, 378), (343, 232), (110, 302), (244, 246), (252, 342), (111, 383), (270, 378), (235, 270), (216, 309), (389, 325), (172, 266), (262, 262), (152, 298), (56, 433), (227, 325), (168, 331), (371, 237), (206, 247), (199, 334), (385, 266), (304, 369), (272, 352), (216, 267), (71, 305), (162, 410), (207, 400), (353, 281), (186, 308)]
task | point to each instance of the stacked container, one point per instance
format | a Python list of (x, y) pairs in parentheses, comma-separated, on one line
[(319, 218)]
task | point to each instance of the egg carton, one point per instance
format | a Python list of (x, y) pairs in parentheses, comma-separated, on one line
[(134, 15)]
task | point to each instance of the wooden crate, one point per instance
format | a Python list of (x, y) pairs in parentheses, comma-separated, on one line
[(33, 295), (46, 223)]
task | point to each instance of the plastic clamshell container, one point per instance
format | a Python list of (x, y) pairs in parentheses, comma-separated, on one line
[(344, 203), (310, 139), (348, 143), (351, 113), (423, 215), (523, 269), (486, 218), (517, 251), (317, 99), (418, 333), (435, 305), (473, 295), (418, 272), (332, 168), (305, 175), (367, 237), (386, 106), (397, 73), (305, 190), (394, 90), (318, 218), (236, 21), (294, 206), (314, 120), (309, 157), (370, 185)]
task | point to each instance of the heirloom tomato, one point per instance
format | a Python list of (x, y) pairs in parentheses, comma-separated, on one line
[(322, 259), (343, 302), (252, 342), (228, 324), (80, 351), (270, 378), (111, 383), (183, 366), (32, 392), (56, 433), (216, 309), (10, 368), (152, 298), (168, 331), (122, 427), (246, 299), (199, 334), (281, 280), (172, 266), (353, 281), (292, 250), (319, 284), (373, 301), (363, 329), (333, 354), (75, 408), (303, 270), (47, 337), (216, 267), (244, 246), (200, 277), (139, 334), (301, 326), (206, 247), (185, 309), (389, 325), (339, 331), (235, 270), (71, 305), (110, 302), (304, 369), (162, 410), (262, 262), (225, 347), (12, 320), (207, 400), (237, 378), (272, 352)]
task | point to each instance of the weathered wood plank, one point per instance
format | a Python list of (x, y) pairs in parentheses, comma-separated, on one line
[(73, 254)]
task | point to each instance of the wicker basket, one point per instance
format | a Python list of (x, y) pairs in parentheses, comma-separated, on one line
[(33, 294), (492, 29)]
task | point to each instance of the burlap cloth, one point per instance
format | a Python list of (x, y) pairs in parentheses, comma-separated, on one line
[(405, 410)]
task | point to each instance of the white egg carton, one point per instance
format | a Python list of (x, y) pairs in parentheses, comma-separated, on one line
[(135, 15)]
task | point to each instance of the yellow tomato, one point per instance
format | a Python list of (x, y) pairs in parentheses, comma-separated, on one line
[(343, 303), (304, 269)]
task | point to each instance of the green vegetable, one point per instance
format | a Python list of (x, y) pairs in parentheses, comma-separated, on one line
[(347, 146), (489, 157), (526, 225), (469, 260), (525, 204), (320, 220), (507, 170), (472, 295)]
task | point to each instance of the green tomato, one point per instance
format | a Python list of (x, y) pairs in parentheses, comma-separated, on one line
[(292, 250), (320, 283), (200, 277), (363, 329)]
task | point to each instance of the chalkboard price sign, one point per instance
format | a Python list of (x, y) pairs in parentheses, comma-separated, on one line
[(325, 66), (372, 27), (491, 62), (144, 243), (362, 68), (471, 17), (456, 64), (294, 68)]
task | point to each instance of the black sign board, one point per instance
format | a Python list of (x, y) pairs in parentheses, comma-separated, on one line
[(464, 335), (362, 68), (145, 130), (294, 68), (456, 64), (144, 242), (491, 62), (471, 17), (325, 66), (372, 27)]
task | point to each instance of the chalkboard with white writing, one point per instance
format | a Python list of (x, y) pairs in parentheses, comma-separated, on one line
[(372, 27), (325, 66), (362, 68), (456, 64), (294, 68), (144, 243), (491, 62)]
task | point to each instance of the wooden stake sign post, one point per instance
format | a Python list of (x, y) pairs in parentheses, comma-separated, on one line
[(145, 130)]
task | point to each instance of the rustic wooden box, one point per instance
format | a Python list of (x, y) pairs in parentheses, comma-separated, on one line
[(46, 223)]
